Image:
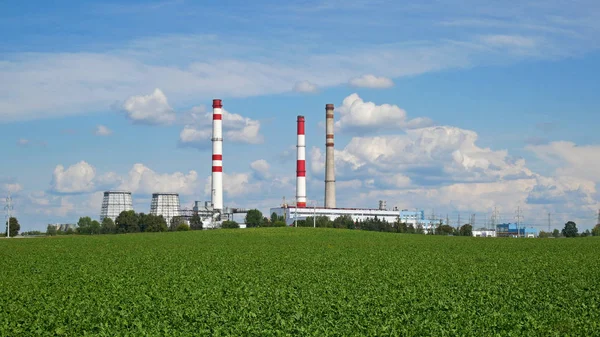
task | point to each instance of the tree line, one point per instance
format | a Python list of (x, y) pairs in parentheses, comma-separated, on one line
[(131, 222)]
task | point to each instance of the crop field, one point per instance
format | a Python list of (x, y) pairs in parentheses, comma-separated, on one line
[(298, 282)]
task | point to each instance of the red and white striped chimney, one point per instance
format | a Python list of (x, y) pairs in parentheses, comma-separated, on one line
[(301, 165), (217, 156)]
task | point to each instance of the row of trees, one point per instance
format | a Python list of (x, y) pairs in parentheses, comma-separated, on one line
[(129, 222)]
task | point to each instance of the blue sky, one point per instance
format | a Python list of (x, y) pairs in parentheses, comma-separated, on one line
[(453, 107)]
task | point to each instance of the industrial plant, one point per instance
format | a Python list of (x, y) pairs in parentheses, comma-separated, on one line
[(212, 213)]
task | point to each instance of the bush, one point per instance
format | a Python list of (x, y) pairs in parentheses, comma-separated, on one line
[(279, 223), (183, 227), (230, 224)]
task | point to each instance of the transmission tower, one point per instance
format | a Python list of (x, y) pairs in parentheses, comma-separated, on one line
[(598, 217), (8, 208), (518, 217), (549, 222)]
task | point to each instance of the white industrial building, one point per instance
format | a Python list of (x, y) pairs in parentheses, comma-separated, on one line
[(484, 233), (165, 204), (292, 213), (114, 203)]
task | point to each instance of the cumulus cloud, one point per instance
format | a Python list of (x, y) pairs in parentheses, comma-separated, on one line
[(50, 205), (152, 109), (23, 142), (77, 178), (305, 87), (237, 129), (142, 179), (235, 185), (12, 187), (371, 81), (261, 169), (569, 159), (102, 130), (354, 113)]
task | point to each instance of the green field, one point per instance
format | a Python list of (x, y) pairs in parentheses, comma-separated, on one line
[(298, 281)]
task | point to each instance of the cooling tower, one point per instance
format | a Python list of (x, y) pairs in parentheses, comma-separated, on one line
[(217, 156), (301, 165), (165, 204), (114, 203), (329, 161)]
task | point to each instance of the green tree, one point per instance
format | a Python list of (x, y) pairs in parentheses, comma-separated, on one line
[(344, 221), (127, 222), (570, 230), (465, 230), (555, 233), (230, 224), (14, 226), (254, 218), (544, 234), (195, 222), (596, 230), (156, 223), (51, 230), (279, 223), (108, 226), (274, 217), (84, 225), (183, 227)]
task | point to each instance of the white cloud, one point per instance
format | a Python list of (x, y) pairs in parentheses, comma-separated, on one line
[(261, 169), (50, 205), (235, 185), (77, 178), (151, 109), (570, 159), (356, 113), (23, 142), (237, 129), (371, 81), (102, 130), (142, 179), (12, 187), (509, 41), (305, 87)]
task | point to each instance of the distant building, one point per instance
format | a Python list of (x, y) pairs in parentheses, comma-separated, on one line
[(484, 233), (165, 204), (417, 218), (114, 203), (290, 213), (512, 230)]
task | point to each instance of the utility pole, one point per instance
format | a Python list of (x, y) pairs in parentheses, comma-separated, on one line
[(519, 216), (8, 208), (447, 220), (549, 222), (458, 222), (598, 217)]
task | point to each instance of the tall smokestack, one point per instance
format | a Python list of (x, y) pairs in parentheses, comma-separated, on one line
[(217, 156), (329, 163), (301, 165)]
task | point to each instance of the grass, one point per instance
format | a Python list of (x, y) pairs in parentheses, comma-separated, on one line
[(298, 281)]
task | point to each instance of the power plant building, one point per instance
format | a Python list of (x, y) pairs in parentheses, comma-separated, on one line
[(165, 204), (292, 213), (114, 203)]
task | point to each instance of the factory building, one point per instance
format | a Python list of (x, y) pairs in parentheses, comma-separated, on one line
[(292, 213), (484, 233), (515, 230), (114, 203), (165, 204)]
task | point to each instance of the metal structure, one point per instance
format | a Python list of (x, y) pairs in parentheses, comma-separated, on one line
[(217, 156), (209, 216), (329, 160), (301, 165), (114, 203), (165, 204), (8, 208)]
